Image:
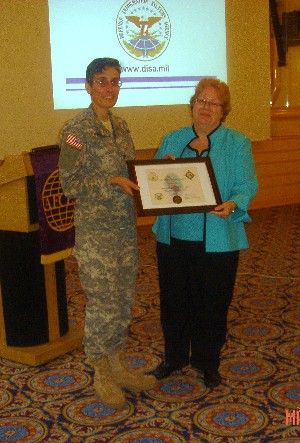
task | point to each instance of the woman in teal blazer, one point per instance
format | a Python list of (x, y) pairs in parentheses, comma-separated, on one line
[(197, 252)]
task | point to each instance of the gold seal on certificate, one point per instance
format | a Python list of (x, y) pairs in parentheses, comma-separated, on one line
[(174, 186), (177, 199)]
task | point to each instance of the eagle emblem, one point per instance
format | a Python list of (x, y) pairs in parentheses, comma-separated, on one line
[(142, 23), (143, 31)]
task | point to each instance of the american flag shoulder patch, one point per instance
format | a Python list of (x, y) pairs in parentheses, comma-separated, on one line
[(74, 141)]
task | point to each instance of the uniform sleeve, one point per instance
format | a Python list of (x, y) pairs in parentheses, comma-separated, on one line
[(77, 177)]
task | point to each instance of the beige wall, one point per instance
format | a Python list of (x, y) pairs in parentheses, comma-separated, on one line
[(28, 119)]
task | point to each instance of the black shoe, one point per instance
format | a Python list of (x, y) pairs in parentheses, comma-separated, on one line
[(212, 378), (163, 371)]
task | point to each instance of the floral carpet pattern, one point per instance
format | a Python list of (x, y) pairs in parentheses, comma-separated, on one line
[(259, 400)]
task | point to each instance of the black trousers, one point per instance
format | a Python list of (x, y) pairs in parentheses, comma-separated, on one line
[(196, 289)]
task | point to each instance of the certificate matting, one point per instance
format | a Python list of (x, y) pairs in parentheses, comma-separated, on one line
[(174, 186)]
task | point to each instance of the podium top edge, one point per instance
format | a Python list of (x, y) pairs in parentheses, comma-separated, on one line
[(15, 167)]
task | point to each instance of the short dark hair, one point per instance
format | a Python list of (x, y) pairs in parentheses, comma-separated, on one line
[(99, 64)]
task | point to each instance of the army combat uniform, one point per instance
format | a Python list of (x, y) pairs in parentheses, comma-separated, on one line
[(105, 240)]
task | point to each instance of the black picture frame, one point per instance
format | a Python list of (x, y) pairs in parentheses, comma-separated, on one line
[(178, 186)]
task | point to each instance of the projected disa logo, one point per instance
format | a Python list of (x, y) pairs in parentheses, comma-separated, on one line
[(143, 29)]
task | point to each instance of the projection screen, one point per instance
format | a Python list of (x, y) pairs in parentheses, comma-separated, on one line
[(164, 47)]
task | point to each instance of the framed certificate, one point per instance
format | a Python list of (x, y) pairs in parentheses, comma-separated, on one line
[(174, 186)]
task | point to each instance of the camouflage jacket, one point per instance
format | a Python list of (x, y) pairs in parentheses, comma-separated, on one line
[(90, 155)]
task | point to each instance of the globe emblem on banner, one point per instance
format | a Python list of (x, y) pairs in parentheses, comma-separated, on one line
[(58, 209), (143, 29)]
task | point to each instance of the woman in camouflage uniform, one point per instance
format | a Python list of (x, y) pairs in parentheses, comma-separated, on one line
[(95, 146)]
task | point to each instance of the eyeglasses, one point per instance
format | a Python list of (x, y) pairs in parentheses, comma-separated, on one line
[(102, 82), (203, 102)]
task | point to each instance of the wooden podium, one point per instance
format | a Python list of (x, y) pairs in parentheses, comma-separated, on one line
[(33, 306)]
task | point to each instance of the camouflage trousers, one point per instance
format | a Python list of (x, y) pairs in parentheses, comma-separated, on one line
[(107, 262)]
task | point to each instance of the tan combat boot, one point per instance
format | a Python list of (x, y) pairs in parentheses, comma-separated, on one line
[(105, 386), (126, 377)]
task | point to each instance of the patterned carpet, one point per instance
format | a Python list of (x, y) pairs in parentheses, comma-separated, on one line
[(259, 401)]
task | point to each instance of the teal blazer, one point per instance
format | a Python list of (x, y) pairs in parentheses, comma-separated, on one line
[(233, 163)]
